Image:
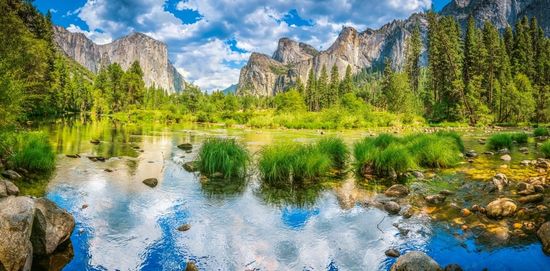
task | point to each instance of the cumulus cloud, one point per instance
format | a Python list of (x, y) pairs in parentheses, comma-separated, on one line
[(200, 48)]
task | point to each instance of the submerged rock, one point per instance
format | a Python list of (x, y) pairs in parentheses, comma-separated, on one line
[(185, 146), (190, 166), (453, 267), (52, 226), (506, 158), (435, 199), (191, 266), (397, 191), (392, 207), (72, 155), (151, 182), (394, 253), (97, 158), (502, 207), (415, 261), (471, 154), (95, 141), (16, 220), (531, 198), (524, 150), (500, 181), (544, 236), (542, 163), (184, 227)]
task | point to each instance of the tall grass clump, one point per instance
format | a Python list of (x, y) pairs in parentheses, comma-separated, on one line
[(520, 138), (276, 163), (541, 131), (395, 159), (435, 151), (500, 141), (310, 163), (32, 151), (336, 149), (223, 155), (454, 135), (545, 149)]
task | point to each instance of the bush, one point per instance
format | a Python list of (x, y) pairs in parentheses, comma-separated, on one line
[(31, 151), (520, 138), (541, 131), (500, 141), (336, 149), (545, 149), (223, 155)]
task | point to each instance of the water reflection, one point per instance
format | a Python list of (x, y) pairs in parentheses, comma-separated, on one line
[(298, 195), (220, 188)]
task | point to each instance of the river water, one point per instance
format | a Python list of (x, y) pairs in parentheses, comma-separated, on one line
[(122, 224)]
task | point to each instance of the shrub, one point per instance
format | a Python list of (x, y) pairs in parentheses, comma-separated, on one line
[(541, 131), (520, 138), (500, 141), (31, 151), (545, 149), (336, 149), (223, 155)]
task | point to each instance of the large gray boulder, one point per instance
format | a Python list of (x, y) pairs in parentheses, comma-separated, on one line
[(544, 235), (7, 188), (16, 221), (52, 227), (415, 261)]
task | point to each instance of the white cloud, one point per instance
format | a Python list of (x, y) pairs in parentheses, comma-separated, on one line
[(95, 36), (199, 48)]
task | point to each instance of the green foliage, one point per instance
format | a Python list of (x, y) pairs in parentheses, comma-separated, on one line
[(336, 149), (458, 140), (290, 101), (541, 131), (436, 150), (28, 150), (545, 149), (500, 141), (276, 163), (520, 138), (223, 155)]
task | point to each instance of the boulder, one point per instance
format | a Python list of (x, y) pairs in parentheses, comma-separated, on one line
[(544, 235), (151, 182), (52, 227), (435, 199), (542, 163), (501, 207), (185, 146), (11, 188), (184, 227), (506, 158), (397, 191), (392, 207), (394, 253), (500, 181), (531, 198), (12, 175), (16, 222), (190, 166), (415, 261)]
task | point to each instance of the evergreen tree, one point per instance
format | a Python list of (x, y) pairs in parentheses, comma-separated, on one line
[(311, 91), (412, 66), (334, 88), (346, 85), (522, 61), (323, 89), (491, 65)]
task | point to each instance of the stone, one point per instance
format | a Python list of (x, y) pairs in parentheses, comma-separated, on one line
[(415, 261), (524, 150), (544, 236), (465, 212), (525, 163), (502, 207), (151, 182), (435, 199), (471, 154), (542, 163), (217, 175), (453, 267), (504, 151), (72, 155), (397, 191), (12, 175), (3, 189), (446, 192), (11, 188), (394, 253), (97, 158), (108, 170), (191, 266), (52, 227), (506, 158), (184, 227), (500, 181), (190, 166), (95, 141), (16, 222), (392, 207), (489, 153), (418, 175), (185, 146), (531, 198)]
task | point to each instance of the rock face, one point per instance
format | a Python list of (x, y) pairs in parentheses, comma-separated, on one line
[(415, 260), (501, 13), (151, 54), (16, 219), (266, 76)]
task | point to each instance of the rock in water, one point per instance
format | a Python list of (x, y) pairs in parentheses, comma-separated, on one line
[(415, 261), (52, 226), (95, 141), (500, 181), (506, 158), (151, 182), (185, 146), (184, 227), (191, 266), (190, 166), (500, 208), (435, 199), (453, 267), (544, 235), (392, 253), (392, 207), (397, 190), (16, 220), (531, 198)]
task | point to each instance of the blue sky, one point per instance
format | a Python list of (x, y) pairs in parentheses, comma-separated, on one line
[(210, 40)]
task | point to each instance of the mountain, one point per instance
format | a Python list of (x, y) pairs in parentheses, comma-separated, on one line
[(151, 54), (230, 89), (265, 76)]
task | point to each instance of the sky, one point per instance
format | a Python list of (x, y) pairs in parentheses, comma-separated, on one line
[(210, 40)]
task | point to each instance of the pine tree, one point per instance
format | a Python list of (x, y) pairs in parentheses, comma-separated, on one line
[(412, 66), (522, 61), (323, 89), (346, 85), (311, 91), (334, 89), (491, 65)]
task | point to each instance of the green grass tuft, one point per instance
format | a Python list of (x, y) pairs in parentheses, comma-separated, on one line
[(541, 131), (545, 149), (500, 141), (520, 138), (435, 151), (393, 159), (336, 149), (223, 155), (29, 150), (458, 140), (310, 163), (276, 163)]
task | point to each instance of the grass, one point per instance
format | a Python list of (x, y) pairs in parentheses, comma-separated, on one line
[(541, 131), (387, 155), (545, 149), (500, 141), (458, 140), (520, 138), (28, 150), (223, 155), (276, 162), (336, 149)]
